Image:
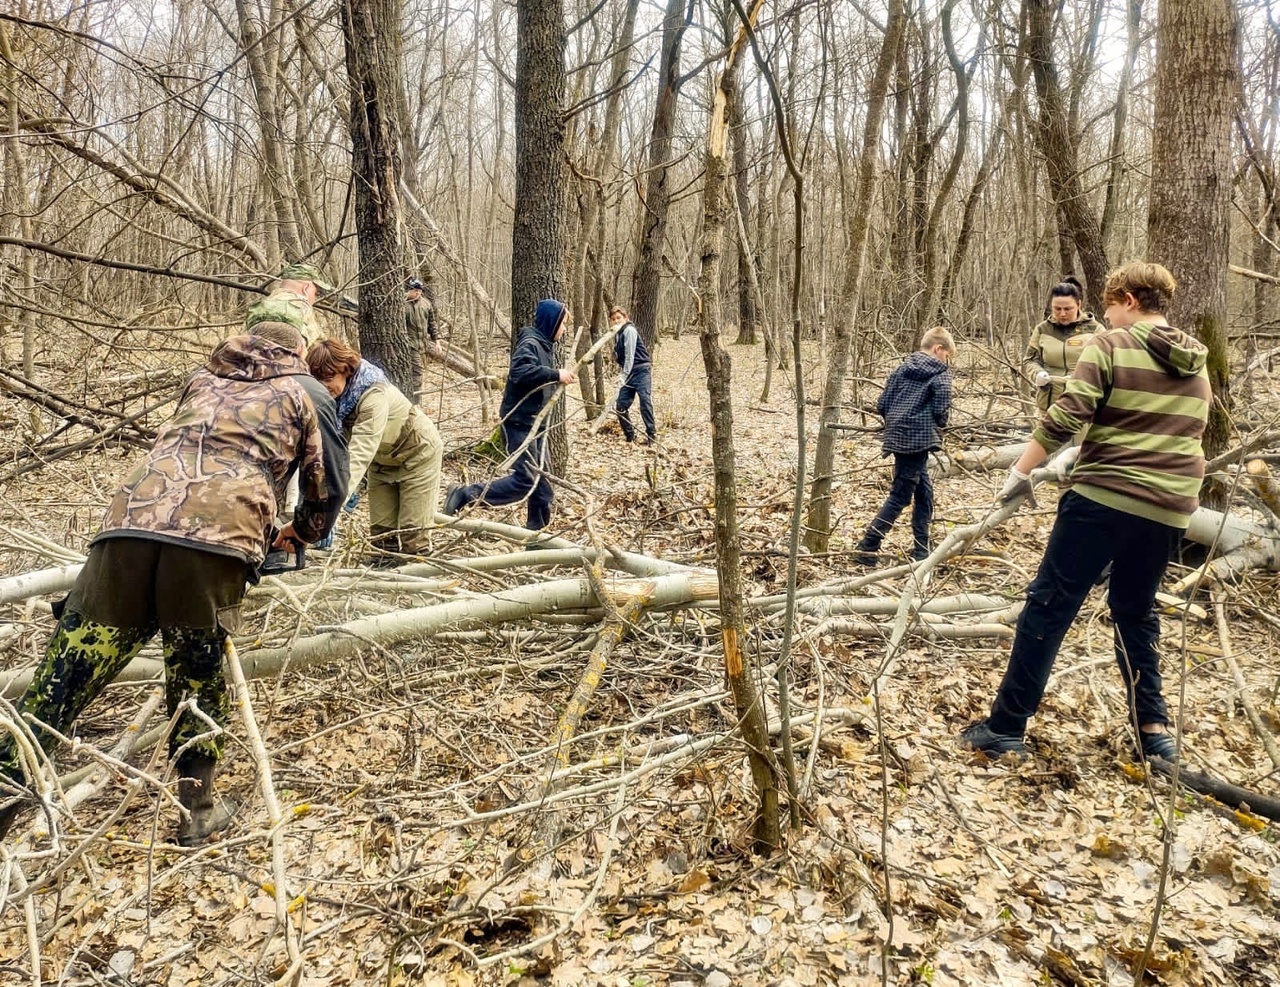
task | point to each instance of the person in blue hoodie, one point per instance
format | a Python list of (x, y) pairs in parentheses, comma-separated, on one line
[(915, 403), (530, 381)]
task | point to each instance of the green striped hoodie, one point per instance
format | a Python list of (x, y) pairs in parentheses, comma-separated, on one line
[(1144, 394)]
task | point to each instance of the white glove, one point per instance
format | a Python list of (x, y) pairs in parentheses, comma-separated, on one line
[(1041, 379), (1018, 485)]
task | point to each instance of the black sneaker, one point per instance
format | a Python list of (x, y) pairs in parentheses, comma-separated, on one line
[(980, 737), (864, 558), (1161, 745), (455, 500), (919, 554)]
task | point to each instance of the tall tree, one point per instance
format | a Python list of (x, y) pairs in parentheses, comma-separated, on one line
[(733, 633), (1059, 146), (538, 239), (656, 200), (818, 520), (1196, 88), (372, 31)]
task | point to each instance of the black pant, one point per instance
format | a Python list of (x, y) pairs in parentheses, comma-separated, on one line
[(1086, 536), (639, 384), (524, 480), (910, 483)]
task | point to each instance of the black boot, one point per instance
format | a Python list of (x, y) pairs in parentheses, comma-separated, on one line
[(8, 813), (209, 815)]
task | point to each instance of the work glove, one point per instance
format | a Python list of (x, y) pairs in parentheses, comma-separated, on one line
[(1041, 378), (1017, 485)]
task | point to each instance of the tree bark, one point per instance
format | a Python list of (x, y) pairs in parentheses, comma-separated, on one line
[(372, 30), (750, 708), (1188, 226)]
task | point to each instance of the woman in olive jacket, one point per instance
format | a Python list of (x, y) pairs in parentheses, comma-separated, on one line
[(391, 441), (1057, 342)]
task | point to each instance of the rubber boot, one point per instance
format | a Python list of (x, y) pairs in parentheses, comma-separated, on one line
[(209, 814)]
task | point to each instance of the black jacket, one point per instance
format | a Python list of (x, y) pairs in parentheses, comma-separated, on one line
[(533, 372)]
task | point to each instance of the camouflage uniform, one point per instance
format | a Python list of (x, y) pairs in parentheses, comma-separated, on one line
[(184, 533), (288, 306)]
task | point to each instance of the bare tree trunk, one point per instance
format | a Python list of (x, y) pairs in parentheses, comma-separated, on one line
[(538, 240), (818, 521), (1059, 147), (750, 708), (748, 262), (261, 47), (372, 31), (1188, 219), (656, 200)]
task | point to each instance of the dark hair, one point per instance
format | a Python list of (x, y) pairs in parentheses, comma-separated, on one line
[(1068, 287), (1151, 285), (327, 358)]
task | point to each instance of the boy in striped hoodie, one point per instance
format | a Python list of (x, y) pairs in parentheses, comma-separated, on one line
[(1142, 394)]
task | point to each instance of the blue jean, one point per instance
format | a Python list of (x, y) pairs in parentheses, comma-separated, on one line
[(524, 480), (1085, 537), (910, 483), (639, 384)]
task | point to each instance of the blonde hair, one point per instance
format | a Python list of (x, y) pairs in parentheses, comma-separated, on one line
[(938, 336), (1151, 285), (618, 310)]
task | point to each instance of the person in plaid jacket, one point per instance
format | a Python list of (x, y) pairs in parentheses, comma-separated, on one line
[(915, 403)]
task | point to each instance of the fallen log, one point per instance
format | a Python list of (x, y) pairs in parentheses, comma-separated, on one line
[(672, 589)]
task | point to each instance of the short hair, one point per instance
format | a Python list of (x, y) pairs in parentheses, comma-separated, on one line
[(1151, 285), (1068, 287), (618, 310), (278, 332), (328, 358), (938, 336)]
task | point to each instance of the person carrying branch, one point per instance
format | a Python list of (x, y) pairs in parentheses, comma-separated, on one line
[(531, 379), (180, 540), (1141, 393), (1057, 342), (637, 376), (915, 405)]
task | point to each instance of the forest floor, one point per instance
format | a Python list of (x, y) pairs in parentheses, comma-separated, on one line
[(410, 775)]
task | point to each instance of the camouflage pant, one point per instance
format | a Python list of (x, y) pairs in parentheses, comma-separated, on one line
[(84, 657)]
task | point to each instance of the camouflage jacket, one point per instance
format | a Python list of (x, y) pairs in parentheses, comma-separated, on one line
[(213, 480), (283, 305)]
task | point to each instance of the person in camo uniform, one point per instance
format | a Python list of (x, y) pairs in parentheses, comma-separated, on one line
[(291, 301), (181, 538)]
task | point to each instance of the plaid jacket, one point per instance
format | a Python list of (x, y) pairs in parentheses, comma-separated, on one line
[(915, 403)]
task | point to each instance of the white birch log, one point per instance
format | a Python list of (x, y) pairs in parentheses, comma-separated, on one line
[(520, 603)]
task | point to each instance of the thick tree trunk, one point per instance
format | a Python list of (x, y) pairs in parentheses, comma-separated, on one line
[(538, 239), (656, 200), (372, 30), (1188, 218), (818, 521)]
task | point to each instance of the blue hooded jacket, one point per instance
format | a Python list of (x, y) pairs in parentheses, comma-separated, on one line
[(533, 371)]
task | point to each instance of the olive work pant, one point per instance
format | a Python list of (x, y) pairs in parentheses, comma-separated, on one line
[(128, 589), (403, 496)]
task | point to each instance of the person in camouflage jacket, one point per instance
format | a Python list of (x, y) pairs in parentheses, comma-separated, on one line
[(181, 538), (292, 302)]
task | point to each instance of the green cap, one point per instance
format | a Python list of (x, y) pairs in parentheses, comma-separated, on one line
[(306, 272)]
